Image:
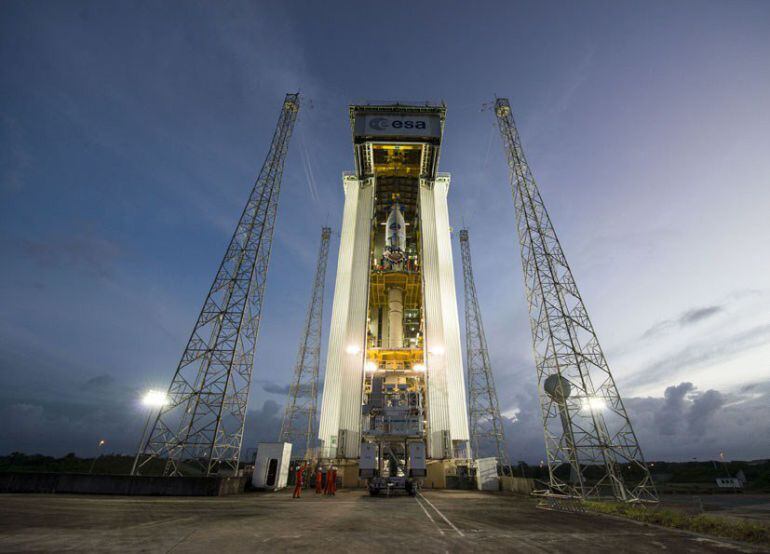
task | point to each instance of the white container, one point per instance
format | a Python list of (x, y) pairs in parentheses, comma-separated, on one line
[(271, 466), (486, 474)]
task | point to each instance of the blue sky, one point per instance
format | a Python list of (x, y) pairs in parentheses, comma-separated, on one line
[(131, 133)]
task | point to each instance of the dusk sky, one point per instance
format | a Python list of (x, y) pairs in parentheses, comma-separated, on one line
[(131, 133)]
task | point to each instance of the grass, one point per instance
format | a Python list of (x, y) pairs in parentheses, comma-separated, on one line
[(745, 531)]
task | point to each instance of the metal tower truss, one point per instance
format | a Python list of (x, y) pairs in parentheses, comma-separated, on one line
[(486, 425), (591, 447), (299, 420), (200, 429)]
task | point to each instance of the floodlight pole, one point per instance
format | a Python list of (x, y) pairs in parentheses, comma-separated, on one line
[(141, 441)]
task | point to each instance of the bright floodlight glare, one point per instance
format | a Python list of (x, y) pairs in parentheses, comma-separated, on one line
[(371, 366), (594, 403), (437, 350), (419, 367), (352, 349), (155, 399)]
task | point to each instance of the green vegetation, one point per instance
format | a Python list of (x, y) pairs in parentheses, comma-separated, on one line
[(112, 464), (745, 531), (107, 464), (674, 477)]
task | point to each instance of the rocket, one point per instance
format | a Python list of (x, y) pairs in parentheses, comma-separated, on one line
[(395, 235)]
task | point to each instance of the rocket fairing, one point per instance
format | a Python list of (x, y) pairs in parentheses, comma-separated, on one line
[(395, 235)]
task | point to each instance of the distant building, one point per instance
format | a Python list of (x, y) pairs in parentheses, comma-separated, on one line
[(729, 483)]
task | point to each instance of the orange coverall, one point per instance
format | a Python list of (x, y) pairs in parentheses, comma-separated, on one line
[(298, 482), (318, 481)]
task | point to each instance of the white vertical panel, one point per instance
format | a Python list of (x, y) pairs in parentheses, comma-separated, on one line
[(458, 411), (352, 366), (329, 422), (438, 409)]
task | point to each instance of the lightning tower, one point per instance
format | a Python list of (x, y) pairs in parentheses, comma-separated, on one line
[(299, 420), (591, 447), (200, 429), (486, 425)]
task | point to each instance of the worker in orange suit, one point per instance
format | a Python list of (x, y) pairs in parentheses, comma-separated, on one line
[(298, 481), (319, 477), (328, 486), (332, 481)]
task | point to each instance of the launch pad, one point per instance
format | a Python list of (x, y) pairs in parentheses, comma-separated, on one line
[(394, 410), (350, 522)]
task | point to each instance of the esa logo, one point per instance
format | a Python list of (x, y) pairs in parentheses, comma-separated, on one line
[(381, 124)]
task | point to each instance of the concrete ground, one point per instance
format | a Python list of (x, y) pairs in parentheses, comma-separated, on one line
[(436, 521)]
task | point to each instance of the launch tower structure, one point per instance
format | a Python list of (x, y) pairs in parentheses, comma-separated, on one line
[(200, 429), (299, 420), (591, 446), (486, 424), (394, 389)]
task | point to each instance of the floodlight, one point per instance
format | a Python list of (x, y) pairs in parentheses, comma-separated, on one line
[(594, 404), (155, 399)]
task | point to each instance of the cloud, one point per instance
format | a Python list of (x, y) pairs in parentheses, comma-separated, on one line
[(274, 388), (703, 408), (523, 430), (262, 425), (698, 314), (682, 424), (686, 423), (669, 416), (70, 425), (684, 404), (83, 251), (707, 351), (688, 317), (99, 383), (100, 408)]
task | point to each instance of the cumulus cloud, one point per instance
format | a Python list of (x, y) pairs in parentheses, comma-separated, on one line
[(687, 423), (524, 430), (262, 425), (669, 417), (682, 424), (684, 408), (703, 408)]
